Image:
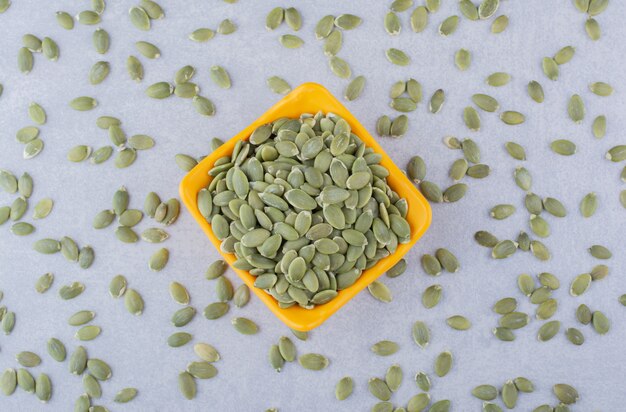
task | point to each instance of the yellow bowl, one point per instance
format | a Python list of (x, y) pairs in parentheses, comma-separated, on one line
[(311, 98)]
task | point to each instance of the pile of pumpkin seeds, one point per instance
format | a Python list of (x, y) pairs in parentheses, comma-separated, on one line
[(257, 219), (305, 207)]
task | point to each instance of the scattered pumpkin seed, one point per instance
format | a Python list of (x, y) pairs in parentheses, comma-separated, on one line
[(313, 361), (385, 348)]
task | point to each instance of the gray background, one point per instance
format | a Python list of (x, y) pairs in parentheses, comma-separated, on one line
[(136, 346)]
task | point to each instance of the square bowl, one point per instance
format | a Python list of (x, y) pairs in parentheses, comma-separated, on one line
[(311, 98)]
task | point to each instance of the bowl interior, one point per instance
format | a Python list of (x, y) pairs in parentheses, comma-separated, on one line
[(311, 98)]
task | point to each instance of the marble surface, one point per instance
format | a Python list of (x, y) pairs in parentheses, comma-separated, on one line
[(136, 347)]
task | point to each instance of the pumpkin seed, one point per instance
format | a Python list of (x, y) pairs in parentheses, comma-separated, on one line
[(241, 296), (81, 317), (347, 21), (509, 394), (344, 388), (419, 19), (133, 301), (432, 296), (583, 314), (201, 35), (101, 41), (505, 305), (340, 67), (499, 24), (187, 385), (514, 320), (548, 330), (399, 126), (485, 102), (313, 361), (201, 370), (485, 392), (25, 380), (88, 17), (421, 334), (78, 361), (592, 27), (278, 85), (431, 191), (183, 316), (226, 27), (599, 127), (28, 359), (65, 20), (47, 246), (83, 103), (600, 252), (324, 27), (274, 18), (380, 291), (504, 334), (392, 24), (448, 26), (43, 387), (436, 101), (139, 18), (576, 109), (159, 259), (589, 205), (71, 291), (565, 393), (44, 282), (575, 336), (462, 59), (443, 364), (293, 18), (153, 9), (354, 88), (503, 249), (600, 322), (89, 332), (458, 322), (178, 339), (206, 352), (379, 389), (431, 265), (216, 310), (535, 91), (546, 309), (397, 57), (512, 117), (148, 50), (550, 68), (22, 229), (179, 293), (244, 326), (134, 68), (385, 348)]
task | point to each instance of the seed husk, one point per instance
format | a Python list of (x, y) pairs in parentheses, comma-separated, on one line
[(379, 389), (448, 26), (565, 393), (385, 348), (421, 334), (548, 330), (592, 27), (432, 296), (344, 388), (459, 322), (589, 205), (313, 361), (600, 322), (244, 326), (397, 57), (443, 363)]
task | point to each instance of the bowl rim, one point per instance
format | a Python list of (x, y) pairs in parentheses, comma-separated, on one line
[(306, 96)]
